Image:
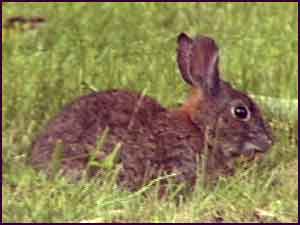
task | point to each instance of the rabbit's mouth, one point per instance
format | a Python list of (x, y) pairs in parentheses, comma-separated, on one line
[(248, 151), (253, 151)]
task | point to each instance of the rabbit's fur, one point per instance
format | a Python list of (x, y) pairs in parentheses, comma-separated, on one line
[(156, 140)]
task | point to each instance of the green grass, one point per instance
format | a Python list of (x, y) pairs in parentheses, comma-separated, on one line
[(133, 46)]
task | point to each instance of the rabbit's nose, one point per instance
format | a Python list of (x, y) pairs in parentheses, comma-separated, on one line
[(259, 144), (266, 141), (268, 135)]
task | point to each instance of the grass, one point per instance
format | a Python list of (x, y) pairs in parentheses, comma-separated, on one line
[(133, 46)]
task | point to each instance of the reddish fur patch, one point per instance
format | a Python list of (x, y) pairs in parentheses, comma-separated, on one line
[(191, 106)]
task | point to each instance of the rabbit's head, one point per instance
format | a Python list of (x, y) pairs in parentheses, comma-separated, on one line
[(235, 121)]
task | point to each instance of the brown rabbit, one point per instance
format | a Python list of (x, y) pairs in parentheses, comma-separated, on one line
[(155, 140)]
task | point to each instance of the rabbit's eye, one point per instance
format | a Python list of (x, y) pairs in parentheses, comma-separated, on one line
[(241, 112)]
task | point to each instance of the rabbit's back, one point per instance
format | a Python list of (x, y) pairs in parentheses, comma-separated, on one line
[(126, 115)]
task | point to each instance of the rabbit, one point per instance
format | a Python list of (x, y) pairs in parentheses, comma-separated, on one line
[(216, 119)]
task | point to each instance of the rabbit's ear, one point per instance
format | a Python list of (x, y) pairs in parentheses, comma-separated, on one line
[(184, 52), (198, 62)]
